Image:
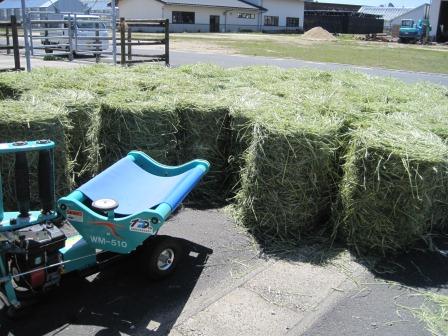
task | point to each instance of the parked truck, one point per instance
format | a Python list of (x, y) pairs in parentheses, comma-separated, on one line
[(80, 34), (411, 32)]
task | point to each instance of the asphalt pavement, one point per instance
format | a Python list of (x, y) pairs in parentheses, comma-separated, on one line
[(180, 58)]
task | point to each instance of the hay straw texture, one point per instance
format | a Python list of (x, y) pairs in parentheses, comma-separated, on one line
[(394, 188), (297, 152)]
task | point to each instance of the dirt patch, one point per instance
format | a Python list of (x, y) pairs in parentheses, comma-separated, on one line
[(318, 33), (197, 46)]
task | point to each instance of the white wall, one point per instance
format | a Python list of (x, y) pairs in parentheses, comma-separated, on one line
[(434, 16), (152, 9), (283, 9), (140, 9), (415, 14), (228, 19)]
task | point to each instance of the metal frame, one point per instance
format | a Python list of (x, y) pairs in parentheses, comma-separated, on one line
[(11, 31), (38, 22)]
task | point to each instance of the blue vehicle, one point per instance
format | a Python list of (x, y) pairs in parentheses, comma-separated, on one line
[(412, 33), (116, 213)]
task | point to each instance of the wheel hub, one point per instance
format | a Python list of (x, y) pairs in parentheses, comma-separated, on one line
[(166, 259)]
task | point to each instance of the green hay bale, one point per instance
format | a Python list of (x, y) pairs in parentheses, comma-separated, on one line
[(126, 124), (33, 120), (82, 108), (288, 175), (394, 186), (204, 132)]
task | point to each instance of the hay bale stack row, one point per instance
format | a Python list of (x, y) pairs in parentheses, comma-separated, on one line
[(292, 144)]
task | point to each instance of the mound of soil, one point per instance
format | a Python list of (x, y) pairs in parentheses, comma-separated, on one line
[(318, 33)]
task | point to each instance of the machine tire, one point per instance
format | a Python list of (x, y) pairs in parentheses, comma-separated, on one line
[(153, 257)]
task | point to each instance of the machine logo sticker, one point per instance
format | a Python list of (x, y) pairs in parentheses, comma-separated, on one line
[(110, 226), (141, 225), (75, 215)]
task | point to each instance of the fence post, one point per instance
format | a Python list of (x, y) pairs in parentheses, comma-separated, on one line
[(129, 43), (25, 34), (8, 51), (123, 41), (167, 42), (69, 32), (97, 42), (114, 32), (15, 42)]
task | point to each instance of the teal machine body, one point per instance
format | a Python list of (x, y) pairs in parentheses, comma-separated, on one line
[(116, 212)]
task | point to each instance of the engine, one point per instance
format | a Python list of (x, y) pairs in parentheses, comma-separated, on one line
[(34, 258)]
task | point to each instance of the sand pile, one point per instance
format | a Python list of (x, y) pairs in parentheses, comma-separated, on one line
[(318, 33)]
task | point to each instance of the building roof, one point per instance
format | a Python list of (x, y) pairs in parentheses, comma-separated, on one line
[(324, 6), (97, 5), (11, 4), (387, 13), (214, 3)]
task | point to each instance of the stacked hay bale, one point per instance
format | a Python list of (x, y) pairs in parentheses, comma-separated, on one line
[(394, 189), (288, 172), (129, 122), (204, 132), (32, 120), (82, 108), (287, 142)]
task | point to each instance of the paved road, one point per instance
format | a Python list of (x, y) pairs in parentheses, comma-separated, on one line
[(179, 58)]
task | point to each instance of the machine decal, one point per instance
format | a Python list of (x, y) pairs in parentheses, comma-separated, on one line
[(110, 226), (141, 225), (105, 241), (75, 215)]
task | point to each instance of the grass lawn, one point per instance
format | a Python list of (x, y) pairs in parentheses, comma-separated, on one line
[(345, 50)]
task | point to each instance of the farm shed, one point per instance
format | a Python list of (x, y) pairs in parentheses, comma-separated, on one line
[(219, 16), (340, 18), (13, 7)]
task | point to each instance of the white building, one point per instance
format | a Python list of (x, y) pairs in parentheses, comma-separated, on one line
[(415, 14), (13, 7), (219, 16), (438, 16)]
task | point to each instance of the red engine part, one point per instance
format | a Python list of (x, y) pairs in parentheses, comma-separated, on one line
[(37, 278)]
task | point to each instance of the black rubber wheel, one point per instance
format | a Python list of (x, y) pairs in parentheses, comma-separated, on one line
[(159, 257)]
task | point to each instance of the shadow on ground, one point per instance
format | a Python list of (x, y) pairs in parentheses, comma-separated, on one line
[(117, 300), (418, 267)]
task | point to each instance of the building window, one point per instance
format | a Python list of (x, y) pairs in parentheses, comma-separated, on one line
[(183, 17), (292, 22), (246, 16), (271, 20)]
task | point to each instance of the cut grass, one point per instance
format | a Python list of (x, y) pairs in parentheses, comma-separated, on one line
[(303, 150)]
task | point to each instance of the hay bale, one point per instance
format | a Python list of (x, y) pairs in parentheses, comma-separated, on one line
[(204, 132), (394, 186), (82, 108), (33, 120), (288, 175), (127, 124)]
